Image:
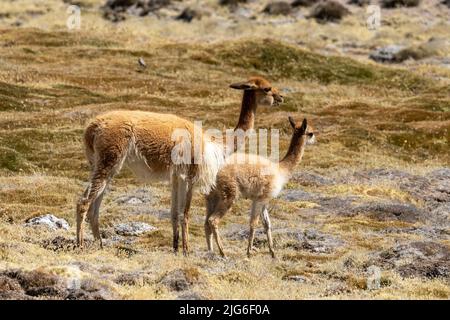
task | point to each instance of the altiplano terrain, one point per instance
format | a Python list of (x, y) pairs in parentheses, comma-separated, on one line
[(365, 216)]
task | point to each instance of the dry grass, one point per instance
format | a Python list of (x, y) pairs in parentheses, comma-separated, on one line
[(369, 116)]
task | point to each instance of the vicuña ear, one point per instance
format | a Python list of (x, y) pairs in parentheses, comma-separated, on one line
[(304, 125), (243, 85), (292, 122)]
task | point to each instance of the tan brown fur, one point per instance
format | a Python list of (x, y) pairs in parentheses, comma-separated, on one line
[(257, 91), (143, 141), (256, 178)]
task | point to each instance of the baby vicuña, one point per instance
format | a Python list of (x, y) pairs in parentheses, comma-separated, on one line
[(256, 178)]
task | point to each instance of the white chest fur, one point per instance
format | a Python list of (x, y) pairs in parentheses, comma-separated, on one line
[(280, 180)]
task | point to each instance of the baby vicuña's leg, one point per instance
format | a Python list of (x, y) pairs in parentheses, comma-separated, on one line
[(211, 202), (221, 209), (254, 218), (268, 228)]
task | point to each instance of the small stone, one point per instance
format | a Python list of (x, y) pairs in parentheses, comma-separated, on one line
[(297, 278), (49, 221), (360, 3), (231, 2), (133, 228), (399, 3), (304, 3), (391, 211), (131, 279), (329, 11), (278, 8), (189, 14), (386, 54)]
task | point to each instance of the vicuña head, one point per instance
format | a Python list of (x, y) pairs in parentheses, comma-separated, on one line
[(257, 91), (302, 135), (256, 178)]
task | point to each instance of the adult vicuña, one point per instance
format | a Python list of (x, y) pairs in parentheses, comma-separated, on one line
[(255, 178), (143, 141)]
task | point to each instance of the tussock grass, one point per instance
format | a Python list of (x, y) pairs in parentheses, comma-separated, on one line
[(367, 116)]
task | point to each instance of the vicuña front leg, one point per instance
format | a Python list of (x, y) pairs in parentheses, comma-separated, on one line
[(254, 218), (268, 228), (185, 224), (174, 212), (214, 219)]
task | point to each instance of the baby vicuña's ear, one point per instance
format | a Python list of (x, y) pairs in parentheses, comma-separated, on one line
[(292, 122), (304, 125), (243, 85)]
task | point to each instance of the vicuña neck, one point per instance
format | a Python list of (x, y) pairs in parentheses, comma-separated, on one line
[(248, 110), (295, 152)]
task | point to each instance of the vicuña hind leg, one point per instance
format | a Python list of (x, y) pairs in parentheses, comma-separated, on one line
[(93, 214), (174, 212), (254, 218), (96, 187), (221, 209), (268, 228), (211, 201), (102, 173)]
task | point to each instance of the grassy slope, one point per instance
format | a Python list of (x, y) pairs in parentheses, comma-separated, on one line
[(368, 116)]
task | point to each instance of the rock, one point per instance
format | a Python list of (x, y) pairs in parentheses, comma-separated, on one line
[(137, 197), (242, 12), (377, 174), (132, 279), (427, 232), (386, 54), (414, 53), (425, 269), (417, 259), (189, 14), (113, 16), (391, 211), (91, 290), (311, 179), (114, 10), (329, 11), (134, 200), (122, 251), (181, 279), (8, 284), (133, 228), (439, 214), (231, 2), (34, 283), (304, 3), (49, 221), (399, 3), (18, 284), (446, 2), (60, 243), (159, 213), (338, 204), (315, 241), (360, 3), (296, 278), (297, 195), (278, 8), (10, 289)]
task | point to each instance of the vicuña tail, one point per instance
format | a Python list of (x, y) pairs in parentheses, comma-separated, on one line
[(213, 159)]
